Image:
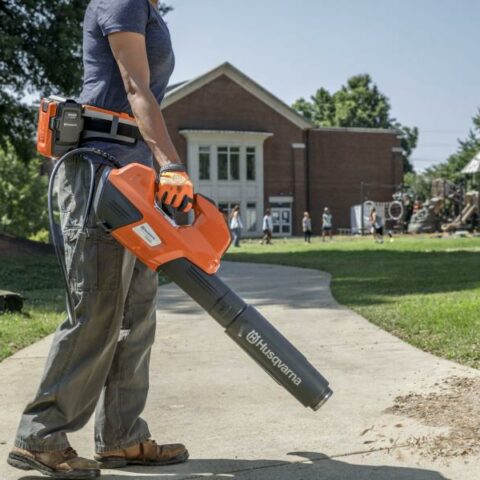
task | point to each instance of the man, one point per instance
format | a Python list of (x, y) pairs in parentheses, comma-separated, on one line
[(102, 360)]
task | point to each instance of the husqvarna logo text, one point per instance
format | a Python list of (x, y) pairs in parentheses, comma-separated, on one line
[(254, 338)]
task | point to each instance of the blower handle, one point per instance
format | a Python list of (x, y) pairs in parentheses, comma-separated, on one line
[(126, 203)]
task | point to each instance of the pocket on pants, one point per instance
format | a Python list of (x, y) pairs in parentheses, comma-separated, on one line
[(93, 260)]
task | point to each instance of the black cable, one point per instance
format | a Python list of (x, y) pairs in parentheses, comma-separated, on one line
[(91, 191)]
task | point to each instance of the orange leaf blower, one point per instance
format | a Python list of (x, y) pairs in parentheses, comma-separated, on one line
[(125, 205)]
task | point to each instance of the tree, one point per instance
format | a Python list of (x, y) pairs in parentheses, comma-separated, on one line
[(418, 186), (40, 44), (320, 111), (451, 169), (23, 195), (359, 103)]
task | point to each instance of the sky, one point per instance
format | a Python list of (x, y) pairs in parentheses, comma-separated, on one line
[(422, 54)]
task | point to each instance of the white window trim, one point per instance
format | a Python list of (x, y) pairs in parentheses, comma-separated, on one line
[(286, 199), (229, 138)]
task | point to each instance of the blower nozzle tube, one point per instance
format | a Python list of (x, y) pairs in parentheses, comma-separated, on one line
[(252, 332)]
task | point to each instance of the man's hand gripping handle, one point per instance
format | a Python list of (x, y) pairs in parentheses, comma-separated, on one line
[(175, 188)]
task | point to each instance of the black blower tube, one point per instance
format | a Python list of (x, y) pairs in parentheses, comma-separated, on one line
[(252, 332)]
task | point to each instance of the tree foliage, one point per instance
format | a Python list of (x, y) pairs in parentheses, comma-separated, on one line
[(40, 45), (23, 194), (418, 186), (359, 103), (451, 169)]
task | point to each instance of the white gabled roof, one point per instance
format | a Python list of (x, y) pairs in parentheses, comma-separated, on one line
[(473, 166), (182, 90)]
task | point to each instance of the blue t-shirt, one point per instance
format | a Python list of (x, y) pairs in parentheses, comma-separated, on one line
[(102, 84)]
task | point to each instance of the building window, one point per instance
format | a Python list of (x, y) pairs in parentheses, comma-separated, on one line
[(234, 163), (228, 159), (251, 163), (204, 163), (251, 220), (222, 156)]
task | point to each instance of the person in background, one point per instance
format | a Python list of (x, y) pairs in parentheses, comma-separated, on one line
[(307, 226), (408, 208), (417, 205), (236, 225), (376, 225), (326, 224), (267, 228)]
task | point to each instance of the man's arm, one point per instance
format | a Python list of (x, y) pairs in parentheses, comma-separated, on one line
[(130, 52)]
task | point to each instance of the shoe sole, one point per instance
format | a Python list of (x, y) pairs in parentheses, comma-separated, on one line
[(25, 463), (115, 462)]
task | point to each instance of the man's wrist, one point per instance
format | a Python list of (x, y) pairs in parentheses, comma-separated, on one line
[(163, 159)]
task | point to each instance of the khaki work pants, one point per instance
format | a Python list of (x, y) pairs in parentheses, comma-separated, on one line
[(102, 360)]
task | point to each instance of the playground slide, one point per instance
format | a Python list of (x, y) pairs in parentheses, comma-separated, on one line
[(467, 212)]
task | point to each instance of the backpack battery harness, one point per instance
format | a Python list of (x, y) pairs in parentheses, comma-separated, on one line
[(63, 124)]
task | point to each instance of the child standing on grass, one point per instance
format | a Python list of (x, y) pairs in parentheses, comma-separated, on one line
[(326, 224), (307, 227), (267, 227), (377, 225)]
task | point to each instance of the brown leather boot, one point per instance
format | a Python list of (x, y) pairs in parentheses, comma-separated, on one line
[(145, 453), (58, 464)]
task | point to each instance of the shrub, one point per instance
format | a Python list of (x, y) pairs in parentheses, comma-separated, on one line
[(23, 195)]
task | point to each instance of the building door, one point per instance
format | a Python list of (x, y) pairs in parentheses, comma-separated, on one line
[(282, 220)]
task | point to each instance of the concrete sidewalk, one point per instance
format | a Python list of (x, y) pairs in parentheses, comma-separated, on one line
[(238, 423)]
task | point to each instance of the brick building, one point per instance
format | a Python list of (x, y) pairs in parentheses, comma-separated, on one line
[(245, 146)]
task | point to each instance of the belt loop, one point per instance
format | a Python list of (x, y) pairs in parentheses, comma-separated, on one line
[(114, 127)]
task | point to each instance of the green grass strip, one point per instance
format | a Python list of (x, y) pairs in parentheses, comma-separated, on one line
[(423, 290)]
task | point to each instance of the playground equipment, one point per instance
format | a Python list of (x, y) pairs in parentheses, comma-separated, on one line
[(448, 209), (447, 190), (391, 214), (396, 209), (467, 215), (450, 206), (429, 218)]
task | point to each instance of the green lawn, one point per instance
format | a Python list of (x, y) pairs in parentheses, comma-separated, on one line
[(38, 279), (424, 290)]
